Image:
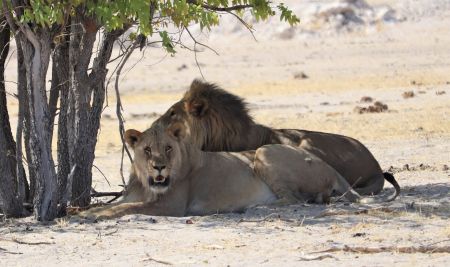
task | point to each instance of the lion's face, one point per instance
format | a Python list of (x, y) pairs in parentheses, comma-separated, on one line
[(176, 113), (157, 158)]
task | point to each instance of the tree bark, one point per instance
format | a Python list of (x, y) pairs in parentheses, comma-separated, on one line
[(23, 125), (12, 189), (86, 99), (61, 82), (80, 52), (36, 53)]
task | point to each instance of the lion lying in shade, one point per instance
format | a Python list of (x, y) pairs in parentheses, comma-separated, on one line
[(219, 121), (179, 179)]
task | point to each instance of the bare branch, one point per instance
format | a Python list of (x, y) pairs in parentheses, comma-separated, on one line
[(246, 25), (106, 179), (226, 9), (197, 42), (119, 107)]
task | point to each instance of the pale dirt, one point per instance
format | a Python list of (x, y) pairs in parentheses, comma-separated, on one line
[(412, 55)]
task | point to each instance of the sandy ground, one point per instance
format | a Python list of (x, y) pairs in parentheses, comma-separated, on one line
[(412, 139)]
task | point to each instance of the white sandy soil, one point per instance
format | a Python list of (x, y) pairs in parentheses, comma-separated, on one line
[(394, 47)]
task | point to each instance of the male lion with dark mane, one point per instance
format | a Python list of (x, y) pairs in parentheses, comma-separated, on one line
[(179, 179), (219, 121)]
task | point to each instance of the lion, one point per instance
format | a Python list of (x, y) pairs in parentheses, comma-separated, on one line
[(179, 179), (294, 174), (219, 121)]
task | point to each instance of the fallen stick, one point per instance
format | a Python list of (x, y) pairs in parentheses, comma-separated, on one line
[(15, 240), (318, 258), (410, 249), (351, 212), (270, 216), (106, 194), (5, 251), (157, 261)]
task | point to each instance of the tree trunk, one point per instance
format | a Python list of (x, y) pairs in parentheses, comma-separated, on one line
[(80, 52), (36, 53), (12, 189), (86, 99), (60, 82), (23, 126)]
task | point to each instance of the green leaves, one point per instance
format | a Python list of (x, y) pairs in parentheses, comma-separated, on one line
[(151, 16), (45, 13), (167, 42), (287, 15)]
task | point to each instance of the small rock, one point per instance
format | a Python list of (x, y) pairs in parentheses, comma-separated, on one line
[(406, 167), (445, 167), (408, 94), (360, 110), (440, 92), (359, 235), (380, 106), (189, 221), (324, 103), (182, 67), (300, 75), (413, 82), (366, 99), (421, 92)]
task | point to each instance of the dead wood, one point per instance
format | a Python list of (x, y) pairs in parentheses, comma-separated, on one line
[(395, 249)]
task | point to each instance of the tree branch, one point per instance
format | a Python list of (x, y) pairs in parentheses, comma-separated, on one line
[(226, 9)]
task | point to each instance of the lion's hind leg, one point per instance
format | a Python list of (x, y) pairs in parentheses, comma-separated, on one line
[(279, 175), (295, 174)]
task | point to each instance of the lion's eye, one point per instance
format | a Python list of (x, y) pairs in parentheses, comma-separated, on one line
[(172, 113), (168, 149), (148, 150)]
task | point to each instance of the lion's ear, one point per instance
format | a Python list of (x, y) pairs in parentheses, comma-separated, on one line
[(132, 137), (197, 107), (177, 131)]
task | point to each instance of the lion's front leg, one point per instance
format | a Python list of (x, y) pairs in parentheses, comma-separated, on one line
[(115, 211)]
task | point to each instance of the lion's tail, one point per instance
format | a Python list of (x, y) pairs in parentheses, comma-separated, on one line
[(375, 199), (391, 179)]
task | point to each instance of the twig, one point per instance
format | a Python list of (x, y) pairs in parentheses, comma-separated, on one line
[(243, 22), (226, 9), (195, 51), (106, 194), (143, 50), (15, 240), (119, 108), (98, 169), (197, 42), (157, 261), (351, 212), (348, 190), (112, 232), (408, 250), (196, 61), (270, 216), (5, 251), (321, 257)]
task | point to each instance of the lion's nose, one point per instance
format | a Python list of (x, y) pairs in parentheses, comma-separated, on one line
[(159, 168)]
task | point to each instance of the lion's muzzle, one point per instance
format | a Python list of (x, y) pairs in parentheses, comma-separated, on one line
[(159, 181)]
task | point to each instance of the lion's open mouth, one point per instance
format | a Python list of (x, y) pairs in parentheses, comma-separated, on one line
[(159, 181)]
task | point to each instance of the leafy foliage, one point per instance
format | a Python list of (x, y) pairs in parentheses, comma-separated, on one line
[(151, 16)]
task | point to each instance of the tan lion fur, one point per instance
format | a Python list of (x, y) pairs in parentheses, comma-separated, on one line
[(194, 182), (219, 121)]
